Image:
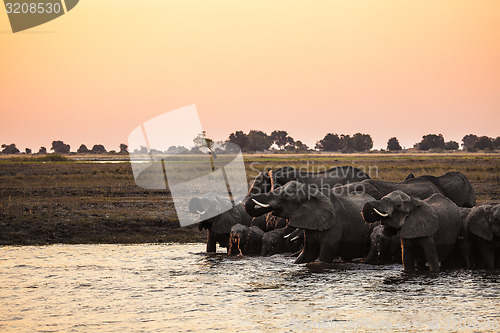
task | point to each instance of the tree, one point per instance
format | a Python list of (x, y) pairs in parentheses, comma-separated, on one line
[(281, 139), (393, 144), (347, 143), (296, 146), (258, 141), (98, 149), (202, 141), (123, 149), (496, 143), (42, 150), (27, 151), (431, 141), (361, 142), (60, 147), (451, 145), (483, 143), (10, 149), (469, 141), (331, 142), (240, 139), (83, 149)]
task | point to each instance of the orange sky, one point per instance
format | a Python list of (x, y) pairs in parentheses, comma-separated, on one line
[(387, 68)]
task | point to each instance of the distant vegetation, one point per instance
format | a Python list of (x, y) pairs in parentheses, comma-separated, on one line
[(279, 140)]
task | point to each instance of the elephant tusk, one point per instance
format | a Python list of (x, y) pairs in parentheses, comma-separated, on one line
[(294, 238), (379, 213), (286, 236), (260, 204), (201, 213)]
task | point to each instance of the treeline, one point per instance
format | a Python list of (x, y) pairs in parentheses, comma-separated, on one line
[(59, 147), (258, 141)]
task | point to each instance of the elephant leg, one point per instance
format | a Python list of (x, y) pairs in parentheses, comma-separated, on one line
[(407, 255), (430, 253), (487, 255), (327, 252), (372, 254), (211, 241)]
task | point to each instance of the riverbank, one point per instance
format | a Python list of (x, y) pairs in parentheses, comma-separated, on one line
[(94, 200)]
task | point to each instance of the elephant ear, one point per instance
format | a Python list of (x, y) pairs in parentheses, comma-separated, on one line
[(223, 222), (421, 222), (477, 223), (314, 213)]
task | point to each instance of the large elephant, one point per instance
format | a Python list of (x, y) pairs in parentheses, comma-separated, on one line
[(483, 230), (245, 240), (222, 217), (270, 180), (428, 228), (453, 184), (380, 188), (332, 222)]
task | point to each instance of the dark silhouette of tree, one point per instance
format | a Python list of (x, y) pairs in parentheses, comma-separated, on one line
[(469, 141), (42, 150), (281, 139), (496, 143), (393, 144), (60, 147), (451, 145), (361, 142), (484, 143), (83, 149), (431, 141), (258, 141), (240, 139), (331, 142), (98, 149), (347, 143), (27, 151), (296, 146), (10, 149), (123, 149)]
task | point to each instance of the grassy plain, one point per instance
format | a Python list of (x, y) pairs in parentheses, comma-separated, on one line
[(95, 200)]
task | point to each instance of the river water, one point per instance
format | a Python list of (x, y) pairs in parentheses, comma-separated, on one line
[(178, 288)]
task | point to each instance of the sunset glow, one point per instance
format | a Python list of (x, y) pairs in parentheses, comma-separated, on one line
[(386, 68)]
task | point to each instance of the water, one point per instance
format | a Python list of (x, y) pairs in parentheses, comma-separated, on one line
[(170, 288)]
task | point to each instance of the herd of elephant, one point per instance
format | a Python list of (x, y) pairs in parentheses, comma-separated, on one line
[(425, 223)]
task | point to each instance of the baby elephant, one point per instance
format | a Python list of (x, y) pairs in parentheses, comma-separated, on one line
[(384, 248), (245, 240), (275, 241), (428, 228)]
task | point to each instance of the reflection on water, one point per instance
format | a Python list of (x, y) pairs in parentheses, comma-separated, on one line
[(169, 288)]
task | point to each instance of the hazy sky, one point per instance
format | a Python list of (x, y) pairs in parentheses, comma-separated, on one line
[(386, 68)]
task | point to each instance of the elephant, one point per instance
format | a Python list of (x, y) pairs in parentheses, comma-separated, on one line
[(384, 248), (428, 228), (483, 230), (274, 241), (223, 217), (245, 240), (332, 223), (268, 181), (268, 222), (463, 248), (453, 184)]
